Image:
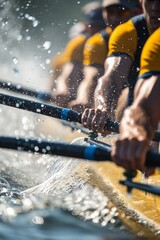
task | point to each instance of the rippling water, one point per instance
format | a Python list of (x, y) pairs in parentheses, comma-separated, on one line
[(82, 214)]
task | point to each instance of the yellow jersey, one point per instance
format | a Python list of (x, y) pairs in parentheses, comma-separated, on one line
[(96, 48), (150, 58), (74, 49)]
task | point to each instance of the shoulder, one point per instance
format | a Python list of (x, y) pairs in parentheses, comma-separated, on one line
[(97, 39), (154, 40), (76, 41), (96, 49), (124, 39), (150, 55), (152, 47), (94, 39), (124, 30)]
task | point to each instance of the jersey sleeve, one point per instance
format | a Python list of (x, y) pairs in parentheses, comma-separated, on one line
[(96, 49), (58, 61), (123, 40), (150, 58), (74, 49)]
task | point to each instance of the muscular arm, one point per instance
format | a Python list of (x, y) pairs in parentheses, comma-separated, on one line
[(85, 92), (64, 77), (110, 85), (137, 126), (147, 96), (67, 83)]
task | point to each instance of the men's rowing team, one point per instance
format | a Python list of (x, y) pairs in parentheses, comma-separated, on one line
[(110, 69)]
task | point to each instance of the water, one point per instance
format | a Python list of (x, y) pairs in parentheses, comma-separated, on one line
[(44, 197), (82, 214)]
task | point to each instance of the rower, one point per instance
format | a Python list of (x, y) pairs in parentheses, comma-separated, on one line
[(60, 59), (141, 119), (122, 65), (115, 12), (72, 71)]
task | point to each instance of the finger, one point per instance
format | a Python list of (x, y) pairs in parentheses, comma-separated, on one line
[(115, 153), (149, 171), (131, 157), (99, 121), (140, 154), (91, 115), (84, 117), (126, 154)]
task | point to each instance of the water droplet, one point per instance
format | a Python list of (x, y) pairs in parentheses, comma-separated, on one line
[(36, 148), (17, 105), (19, 38), (28, 38), (48, 61), (46, 45), (15, 60), (35, 23)]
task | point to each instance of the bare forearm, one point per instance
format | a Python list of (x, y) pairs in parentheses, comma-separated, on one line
[(110, 85), (107, 94), (147, 97)]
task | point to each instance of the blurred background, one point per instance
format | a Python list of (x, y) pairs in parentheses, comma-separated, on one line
[(32, 32)]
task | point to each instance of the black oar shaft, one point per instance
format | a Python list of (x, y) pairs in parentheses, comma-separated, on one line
[(143, 187), (40, 108), (47, 110), (56, 112), (17, 88), (53, 148)]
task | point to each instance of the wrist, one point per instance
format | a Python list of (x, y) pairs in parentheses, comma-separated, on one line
[(139, 121)]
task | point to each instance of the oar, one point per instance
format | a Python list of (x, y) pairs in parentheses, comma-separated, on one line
[(111, 126), (49, 110), (17, 88), (143, 187), (56, 112), (91, 152), (75, 126), (128, 182)]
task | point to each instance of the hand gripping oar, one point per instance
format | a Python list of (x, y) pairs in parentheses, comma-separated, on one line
[(91, 152), (128, 182), (48, 110), (17, 88)]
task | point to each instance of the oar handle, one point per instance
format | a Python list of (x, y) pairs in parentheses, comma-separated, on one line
[(112, 126), (109, 125), (152, 159)]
